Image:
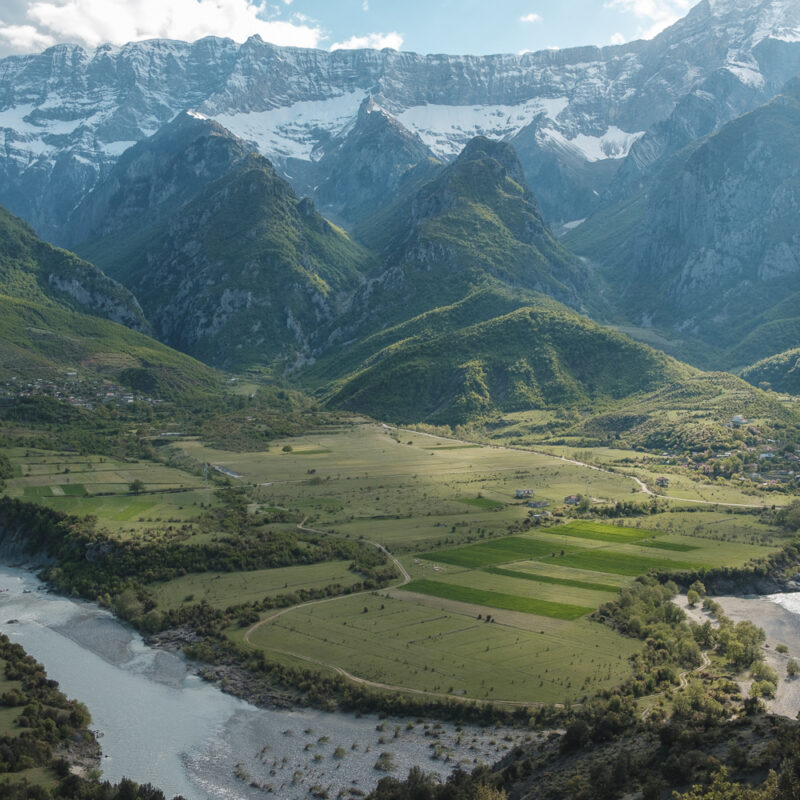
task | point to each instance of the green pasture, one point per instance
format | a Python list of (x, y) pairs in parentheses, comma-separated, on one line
[(485, 597), (421, 532), (225, 589), (551, 579), (617, 563), (743, 528), (406, 644), (500, 551), (600, 532), (366, 453), (99, 486)]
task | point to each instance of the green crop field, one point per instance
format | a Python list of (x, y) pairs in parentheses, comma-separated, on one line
[(530, 576), (512, 548), (481, 502), (404, 643), (599, 532), (674, 546), (232, 588), (512, 602), (620, 563), (100, 486)]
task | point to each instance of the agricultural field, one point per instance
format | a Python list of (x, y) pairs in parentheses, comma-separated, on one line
[(405, 489), (221, 590), (494, 606), (101, 486), (404, 643)]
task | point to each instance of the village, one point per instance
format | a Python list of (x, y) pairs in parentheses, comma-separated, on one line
[(72, 389)]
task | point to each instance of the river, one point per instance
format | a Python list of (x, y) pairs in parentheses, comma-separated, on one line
[(159, 723)]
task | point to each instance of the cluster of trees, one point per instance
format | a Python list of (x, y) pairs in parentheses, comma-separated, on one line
[(757, 576), (116, 573), (419, 786), (45, 716)]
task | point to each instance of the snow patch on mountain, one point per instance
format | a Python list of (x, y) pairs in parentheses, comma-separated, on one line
[(446, 129), (614, 143), (294, 131), (747, 75)]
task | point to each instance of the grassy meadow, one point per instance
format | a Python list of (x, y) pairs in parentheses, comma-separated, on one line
[(495, 607)]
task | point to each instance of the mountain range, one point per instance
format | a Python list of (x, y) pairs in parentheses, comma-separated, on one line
[(378, 227)]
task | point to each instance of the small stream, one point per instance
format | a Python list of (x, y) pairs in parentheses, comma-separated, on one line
[(158, 723)]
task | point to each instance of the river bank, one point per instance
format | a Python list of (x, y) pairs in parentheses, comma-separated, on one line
[(779, 617), (162, 724)]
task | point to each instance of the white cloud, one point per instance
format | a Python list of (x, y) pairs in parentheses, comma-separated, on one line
[(654, 15), (617, 38), (365, 5), (24, 38), (95, 22), (372, 41), (531, 18)]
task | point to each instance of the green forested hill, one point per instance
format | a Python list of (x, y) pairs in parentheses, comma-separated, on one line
[(33, 270), (529, 358), (781, 372), (43, 341), (474, 225), (231, 267)]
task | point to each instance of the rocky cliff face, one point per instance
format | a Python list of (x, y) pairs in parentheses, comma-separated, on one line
[(713, 251), (229, 264), (35, 271), (67, 115), (364, 168)]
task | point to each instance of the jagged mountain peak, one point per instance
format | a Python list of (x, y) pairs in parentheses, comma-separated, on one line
[(366, 164), (156, 174), (484, 172), (503, 153)]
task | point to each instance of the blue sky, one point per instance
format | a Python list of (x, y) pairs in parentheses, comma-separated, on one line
[(425, 26), (483, 26)]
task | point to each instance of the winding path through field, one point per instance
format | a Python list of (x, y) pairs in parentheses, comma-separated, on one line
[(406, 578), (638, 481)]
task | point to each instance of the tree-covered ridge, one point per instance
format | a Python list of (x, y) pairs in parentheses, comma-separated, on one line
[(230, 266), (37, 272), (39, 341), (530, 358), (474, 225), (780, 372)]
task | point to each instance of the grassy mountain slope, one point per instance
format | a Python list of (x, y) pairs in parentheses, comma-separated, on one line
[(43, 333), (529, 358), (44, 341), (243, 273), (781, 372), (33, 270), (479, 306)]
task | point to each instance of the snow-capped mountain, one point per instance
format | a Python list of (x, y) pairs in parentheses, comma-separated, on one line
[(66, 115)]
